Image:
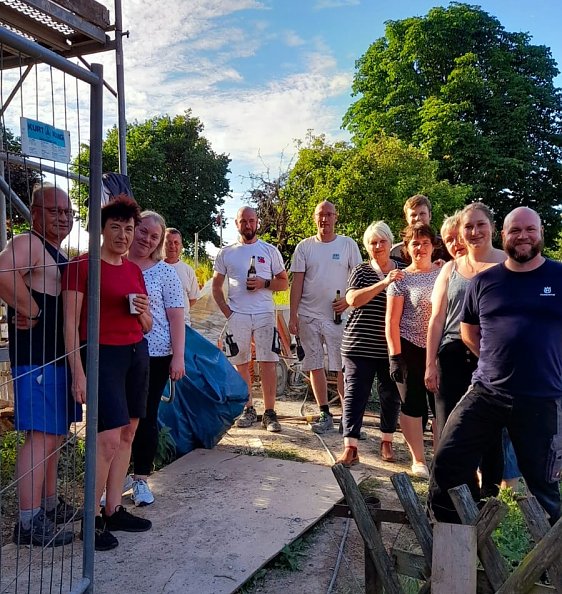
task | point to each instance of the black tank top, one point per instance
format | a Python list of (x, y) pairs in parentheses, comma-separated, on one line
[(44, 343)]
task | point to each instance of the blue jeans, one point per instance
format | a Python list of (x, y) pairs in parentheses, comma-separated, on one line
[(535, 428)]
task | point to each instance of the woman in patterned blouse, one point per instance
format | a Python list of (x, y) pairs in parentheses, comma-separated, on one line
[(408, 311), (166, 341)]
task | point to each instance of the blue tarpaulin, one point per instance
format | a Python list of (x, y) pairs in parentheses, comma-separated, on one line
[(207, 400)]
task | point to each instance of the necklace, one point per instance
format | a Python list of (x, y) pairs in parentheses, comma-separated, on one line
[(475, 267)]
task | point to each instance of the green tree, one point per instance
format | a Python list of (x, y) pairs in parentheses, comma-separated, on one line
[(20, 178), (365, 183), (479, 99), (173, 170)]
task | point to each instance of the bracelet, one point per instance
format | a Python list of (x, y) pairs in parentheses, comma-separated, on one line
[(33, 318), (267, 283)]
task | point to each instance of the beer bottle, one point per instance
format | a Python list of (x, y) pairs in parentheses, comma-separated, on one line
[(337, 314), (300, 350), (252, 273)]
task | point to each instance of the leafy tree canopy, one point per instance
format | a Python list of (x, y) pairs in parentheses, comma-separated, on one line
[(479, 99), (173, 170), (20, 178), (365, 183)]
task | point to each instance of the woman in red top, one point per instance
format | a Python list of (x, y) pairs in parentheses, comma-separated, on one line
[(123, 359)]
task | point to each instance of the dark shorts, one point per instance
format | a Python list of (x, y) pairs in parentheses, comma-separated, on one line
[(42, 399), (123, 384)]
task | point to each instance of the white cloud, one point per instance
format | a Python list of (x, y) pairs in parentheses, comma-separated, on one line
[(292, 39)]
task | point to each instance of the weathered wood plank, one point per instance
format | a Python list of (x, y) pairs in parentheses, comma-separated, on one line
[(537, 524), (489, 518), (68, 18), (368, 530), (547, 552), (392, 516), (373, 584), (413, 564), (494, 564), (90, 10), (453, 569), (415, 512)]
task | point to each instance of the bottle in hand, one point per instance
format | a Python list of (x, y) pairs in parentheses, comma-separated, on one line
[(252, 273), (337, 314)]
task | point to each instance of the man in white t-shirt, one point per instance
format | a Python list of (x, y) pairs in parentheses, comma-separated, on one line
[(250, 310), (321, 267), (173, 246)]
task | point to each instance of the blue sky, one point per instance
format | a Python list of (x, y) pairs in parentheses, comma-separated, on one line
[(260, 73)]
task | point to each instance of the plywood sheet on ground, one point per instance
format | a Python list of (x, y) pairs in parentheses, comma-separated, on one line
[(217, 519)]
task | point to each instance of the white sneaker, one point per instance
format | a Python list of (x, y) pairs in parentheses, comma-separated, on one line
[(142, 495), (420, 470), (127, 486)]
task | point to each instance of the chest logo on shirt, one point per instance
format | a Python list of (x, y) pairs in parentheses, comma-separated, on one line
[(547, 292), (335, 256), (261, 260)]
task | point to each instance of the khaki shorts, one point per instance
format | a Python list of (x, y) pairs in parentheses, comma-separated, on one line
[(314, 333), (261, 326)]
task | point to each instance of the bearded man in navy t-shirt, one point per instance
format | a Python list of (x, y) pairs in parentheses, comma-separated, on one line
[(512, 320)]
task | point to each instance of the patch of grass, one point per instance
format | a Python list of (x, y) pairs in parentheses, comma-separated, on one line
[(72, 461), (291, 555), (511, 536), (289, 559), (166, 450), (284, 453), (370, 487), (9, 444)]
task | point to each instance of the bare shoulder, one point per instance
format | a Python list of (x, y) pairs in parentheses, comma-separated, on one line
[(24, 250)]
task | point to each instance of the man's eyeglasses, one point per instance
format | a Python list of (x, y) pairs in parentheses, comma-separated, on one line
[(57, 212)]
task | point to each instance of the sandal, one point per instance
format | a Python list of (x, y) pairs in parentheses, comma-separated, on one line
[(387, 453)]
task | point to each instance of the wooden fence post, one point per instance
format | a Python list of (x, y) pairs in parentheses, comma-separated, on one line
[(368, 530), (453, 569)]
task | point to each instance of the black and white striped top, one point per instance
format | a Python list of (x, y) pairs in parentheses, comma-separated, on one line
[(364, 332)]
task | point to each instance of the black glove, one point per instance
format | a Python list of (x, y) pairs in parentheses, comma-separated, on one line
[(396, 364)]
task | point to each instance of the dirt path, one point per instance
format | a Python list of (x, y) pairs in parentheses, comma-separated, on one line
[(309, 564)]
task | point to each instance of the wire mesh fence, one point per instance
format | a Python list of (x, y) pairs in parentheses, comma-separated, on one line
[(47, 470)]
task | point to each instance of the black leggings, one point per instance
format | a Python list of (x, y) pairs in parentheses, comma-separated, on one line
[(413, 392), (146, 437)]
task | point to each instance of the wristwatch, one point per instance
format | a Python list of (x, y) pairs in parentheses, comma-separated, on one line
[(267, 283)]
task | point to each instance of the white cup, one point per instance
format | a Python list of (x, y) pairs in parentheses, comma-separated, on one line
[(132, 308)]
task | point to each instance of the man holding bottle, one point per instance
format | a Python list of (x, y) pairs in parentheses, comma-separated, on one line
[(321, 265), (255, 269)]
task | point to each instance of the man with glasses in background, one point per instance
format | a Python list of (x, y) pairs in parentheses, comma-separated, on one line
[(30, 272)]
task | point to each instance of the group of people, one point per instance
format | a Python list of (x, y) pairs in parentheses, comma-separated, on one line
[(449, 325), (474, 339), (144, 307)]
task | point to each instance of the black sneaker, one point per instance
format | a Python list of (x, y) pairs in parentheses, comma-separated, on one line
[(42, 533), (64, 512), (103, 539), (121, 519)]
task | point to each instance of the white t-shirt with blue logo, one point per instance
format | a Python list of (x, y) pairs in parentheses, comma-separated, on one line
[(326, 268)]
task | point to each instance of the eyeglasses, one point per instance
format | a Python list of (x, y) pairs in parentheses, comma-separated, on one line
[(57, 212)]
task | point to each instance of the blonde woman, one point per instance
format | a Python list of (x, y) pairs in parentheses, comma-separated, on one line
[(450, 363), (364, 349), (166, 341)]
